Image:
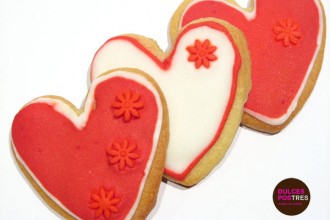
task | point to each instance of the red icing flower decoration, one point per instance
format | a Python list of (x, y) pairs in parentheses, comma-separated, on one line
[(202, 53), (127, 105), (122, 154), (287, 31), (105, 203)]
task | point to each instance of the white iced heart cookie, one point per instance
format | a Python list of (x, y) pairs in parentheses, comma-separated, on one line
[(205, 78)]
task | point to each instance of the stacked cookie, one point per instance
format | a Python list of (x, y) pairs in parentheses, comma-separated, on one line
[(150, 113)]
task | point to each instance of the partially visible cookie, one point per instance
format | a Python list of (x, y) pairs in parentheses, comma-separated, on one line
[(286, 40), (205, 78), (104, 161)]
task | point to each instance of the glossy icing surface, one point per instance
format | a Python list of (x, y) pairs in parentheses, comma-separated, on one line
[(71, 163), (284, 39), (199, 94)]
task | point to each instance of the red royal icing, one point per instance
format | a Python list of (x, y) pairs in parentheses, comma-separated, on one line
[(277, 71), (202, 53), (104, 203), (122, 154), (71, 164), (166, 64), (128, 105)]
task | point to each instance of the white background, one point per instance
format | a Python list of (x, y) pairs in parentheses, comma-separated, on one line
[(46, 48)]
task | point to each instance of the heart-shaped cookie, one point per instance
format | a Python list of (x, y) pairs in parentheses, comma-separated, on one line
[(104, 161), (286, 40), (205, 79)]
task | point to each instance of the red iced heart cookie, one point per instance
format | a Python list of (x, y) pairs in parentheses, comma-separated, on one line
[(205, 79), (102, 162), (286, 40)]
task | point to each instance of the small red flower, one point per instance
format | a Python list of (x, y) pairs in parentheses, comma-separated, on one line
[(127, 105), (104, 203), (287, 31), (202, 53), (122, 154)]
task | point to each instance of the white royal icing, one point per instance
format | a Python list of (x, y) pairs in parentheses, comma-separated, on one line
[(196, 98), (80, 122), (250, 15)]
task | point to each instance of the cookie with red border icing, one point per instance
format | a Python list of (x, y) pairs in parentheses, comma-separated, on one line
[(104, 161), (286, 40), (205, 78)]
